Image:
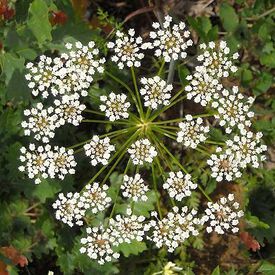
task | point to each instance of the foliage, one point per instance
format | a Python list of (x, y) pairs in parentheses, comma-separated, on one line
[(27, 220)]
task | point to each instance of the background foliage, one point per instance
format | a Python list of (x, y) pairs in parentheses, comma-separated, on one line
[(27, 221)]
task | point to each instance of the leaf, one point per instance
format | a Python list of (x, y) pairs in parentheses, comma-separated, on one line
[(10, 63), (268, 60), (46, 189), (263, 83), (216, 271), (249, 241), (183, 73), (267, 268), (229, 17), (14, 255), (253, 221), (134, 248), (39, 22)]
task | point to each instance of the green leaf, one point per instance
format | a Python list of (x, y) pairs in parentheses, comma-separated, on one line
[(253, 221), (46, 189), (134, 248), (268, 60), (183, 73), (267, 268), (216, 271), (10, 63), (263, 83), (229, 17), (39, 21)]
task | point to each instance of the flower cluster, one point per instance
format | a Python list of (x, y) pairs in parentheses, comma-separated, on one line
[(99, 150), (95, 197), (98, 245), (222, 216), (69, 209), (174, 229), (233, 110), (43, 162), (127, 49), (69, 109), (244, 149), (170, 42), (41, 122), (134, 188), (155, 92), (179, 186), (192, 132), (202, 87), (115, 106), (126, 229), (69, 73), (217, 60), (142, 151), (67, 78)]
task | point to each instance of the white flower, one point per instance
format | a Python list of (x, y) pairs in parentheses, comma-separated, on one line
[(174, 229), (127, 49), (179, 186), (248, 148), (126, 229), (222, 216), (98, 245), (36, 162), (83, 59), (68, 81), (142, 151), (62, 162), (202, 87), (217, 60), (155, 92), (68, 209), (43, 162), (233, 110), (134, 188), (99, 150), (224, 165), (95, 197), (192, 132), (69, 109), (41, 122), (170, 42), (41, 76), (115, 106)]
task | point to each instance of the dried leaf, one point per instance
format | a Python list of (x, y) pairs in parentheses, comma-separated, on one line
[(249, 241), (14, 255)]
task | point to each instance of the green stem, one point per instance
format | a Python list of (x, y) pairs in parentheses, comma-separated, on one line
[(106, 121), (114, 156), (161, 67), (156, 190), (117, 194), (137, 92), (125, 86), (215, 142), (183, 169), (167, 107), (94, 112), (170, 121)]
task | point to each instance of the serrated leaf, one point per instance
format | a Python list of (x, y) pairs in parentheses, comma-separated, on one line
[(134, 248), (46, 189), (38, 21)]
